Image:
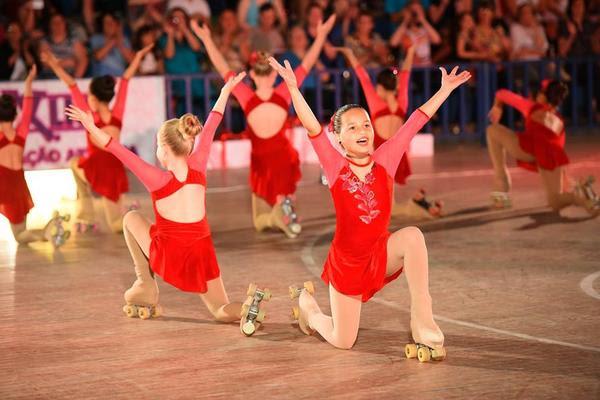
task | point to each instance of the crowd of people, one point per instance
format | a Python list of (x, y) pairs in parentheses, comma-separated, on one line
[(93, 38)]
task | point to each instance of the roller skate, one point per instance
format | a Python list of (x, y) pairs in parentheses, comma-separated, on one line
[(323, 179), (82, 226), (251, 316), (284, 217), (584, 189), (55, 232), (419, 207), (295, 292), (500, 200), (427, 344), (142, 297)]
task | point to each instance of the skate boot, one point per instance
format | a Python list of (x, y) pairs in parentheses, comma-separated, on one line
[(54, 231), (500, 200), (584, 189), (284, 217), (142, 297), (418, 207), (252, 316), (427, 345), (295, 292), (323, 179)]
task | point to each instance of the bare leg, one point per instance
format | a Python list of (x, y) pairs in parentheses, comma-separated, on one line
[(557, 197), (500, 140), (341, 329), (113, 214), (218, 304), (85, 201), (24, 236), (406, 249)]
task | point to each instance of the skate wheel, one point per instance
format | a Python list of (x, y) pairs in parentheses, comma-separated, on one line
[(55, 214), (245, 309), (67, 217), (143, 313), (248, 328), (424, 354), (294, 292), (261, 316), (266, 295), (295, 228), (438, 354), (310, 287), (251, 289), (410, 350), (157, 311), (295, 313), (130, 311)]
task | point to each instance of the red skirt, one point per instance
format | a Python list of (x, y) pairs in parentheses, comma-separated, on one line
[(274, 173), (15, 199), (105, 174), (363, 274), (403, 171), (549, 152), (183, 254)]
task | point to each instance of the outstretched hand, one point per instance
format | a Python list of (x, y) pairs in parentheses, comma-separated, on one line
[(77, 114), (48, 58), (140, 54), (287, 73), (451, 81), (323, 28), (233, 81), (202, 31)]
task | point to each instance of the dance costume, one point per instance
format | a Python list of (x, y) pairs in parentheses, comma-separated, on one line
[(547, 147), (15, 199), (356, 263), (104, 172), (379, 108), (274, 163), (181, 253)]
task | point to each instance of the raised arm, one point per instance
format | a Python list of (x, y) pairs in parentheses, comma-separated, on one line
[(27, 106), (199, 157), (50, 60), (313, 53), (217, 59), (152, 177), (404, 79), (135, 63), (374, 102), (503, 96)]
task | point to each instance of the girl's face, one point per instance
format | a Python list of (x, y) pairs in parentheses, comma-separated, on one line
[(298, 39), (228, 21), (467, 23), (314, 16), (356, 133)]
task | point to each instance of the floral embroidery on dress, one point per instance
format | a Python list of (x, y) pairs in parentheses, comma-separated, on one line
[(363, 193)]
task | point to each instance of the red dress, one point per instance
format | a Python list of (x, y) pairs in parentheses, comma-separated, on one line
[(547, 147), (181, 253), (379, 108), (104, 172), (357, 259), (274, 162), (15, 199)]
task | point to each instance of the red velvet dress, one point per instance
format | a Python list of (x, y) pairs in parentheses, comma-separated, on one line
[(15, 199), (378, 108), (547, 147), (104, 172), (181, 253), (357, 259), (274, 162)]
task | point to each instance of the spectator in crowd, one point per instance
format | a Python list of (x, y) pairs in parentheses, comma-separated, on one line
[(368, 47), (415, 30), (444, 12), (152, 63), (71, 53), (93, 8), (111, 50), (150, 14), (491, 40), (15, 57), (266, 37), (248, 12), (29, 21), (232, 41), (576, 32), (528, 38), (314, 15), (346, 12), (196, 9), (466, 43)]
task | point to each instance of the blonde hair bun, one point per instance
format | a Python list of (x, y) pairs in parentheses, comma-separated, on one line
[(189, 126)]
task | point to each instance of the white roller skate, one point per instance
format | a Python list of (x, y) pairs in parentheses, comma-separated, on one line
[(500, 200), (284, 217), (54, 230), (251, 316), (585, 189), (142, 297)]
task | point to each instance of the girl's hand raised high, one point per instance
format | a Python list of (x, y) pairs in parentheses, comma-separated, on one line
[(286, 73)]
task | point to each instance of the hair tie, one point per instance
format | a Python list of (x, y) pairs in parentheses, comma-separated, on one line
[(394, 70)]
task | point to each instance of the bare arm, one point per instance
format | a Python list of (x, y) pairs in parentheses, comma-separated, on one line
[(433, 35), (101, 53), (125, 51), (50, 59), (82, 60), (87, 120), (437, 12), (88, 14), (312, 55), (280, 11), (28, 91), (170, 46), (203, 32), (191, 38), (449, 83), (396, 38), (137, 59), (242, 13), (226, 92), (349, 55)]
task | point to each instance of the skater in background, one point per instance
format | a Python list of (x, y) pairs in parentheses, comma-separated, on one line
[(15, 199), (540, 147), (178, 247), (275, 165), (100, 171), (364, 256), (388, 104)]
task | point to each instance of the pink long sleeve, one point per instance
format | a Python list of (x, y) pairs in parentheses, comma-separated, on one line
[(331, 160), (375, 103), (403, 82), (242, 92), (199, 157), (282, 89), (26, 112), (152, 177), (119, 108), (389, 154), (514, 100), (78, 98)]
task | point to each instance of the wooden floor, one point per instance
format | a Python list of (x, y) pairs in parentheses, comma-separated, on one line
[(509, 287)]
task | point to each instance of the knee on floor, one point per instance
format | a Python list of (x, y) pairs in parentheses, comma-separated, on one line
[(343, 342)]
